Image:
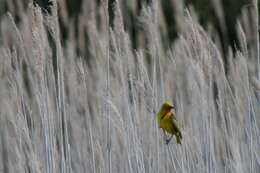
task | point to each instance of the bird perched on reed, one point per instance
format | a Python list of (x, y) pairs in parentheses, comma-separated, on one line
[(167, 120)]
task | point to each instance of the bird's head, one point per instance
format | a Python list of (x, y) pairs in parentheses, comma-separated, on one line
[(167, 107)]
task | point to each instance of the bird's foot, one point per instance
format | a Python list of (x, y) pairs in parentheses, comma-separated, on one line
[(167, 141)]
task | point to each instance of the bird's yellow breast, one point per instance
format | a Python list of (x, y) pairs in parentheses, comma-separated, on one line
[(165, 122)]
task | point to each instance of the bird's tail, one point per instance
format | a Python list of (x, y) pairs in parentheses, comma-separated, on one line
[(178, 138)]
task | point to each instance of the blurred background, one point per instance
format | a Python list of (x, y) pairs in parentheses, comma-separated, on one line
[(216, 16), (81, 82)]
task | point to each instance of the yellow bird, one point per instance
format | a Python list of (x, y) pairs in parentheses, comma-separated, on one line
[(167, 120)]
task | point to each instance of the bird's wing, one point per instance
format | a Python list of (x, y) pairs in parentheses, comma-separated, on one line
[(175, 123), (173, 116)]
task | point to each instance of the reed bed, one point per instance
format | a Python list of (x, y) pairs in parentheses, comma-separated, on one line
[(62, 112)]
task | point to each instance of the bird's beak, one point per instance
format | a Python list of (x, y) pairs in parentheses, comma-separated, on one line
[(171, 107)]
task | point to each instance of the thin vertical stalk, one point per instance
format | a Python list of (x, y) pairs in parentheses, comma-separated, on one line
[(65, 148), (257, 39), (105, 8), (172, 157)]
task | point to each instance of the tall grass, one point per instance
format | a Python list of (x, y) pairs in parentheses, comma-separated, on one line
[(64, 113)]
